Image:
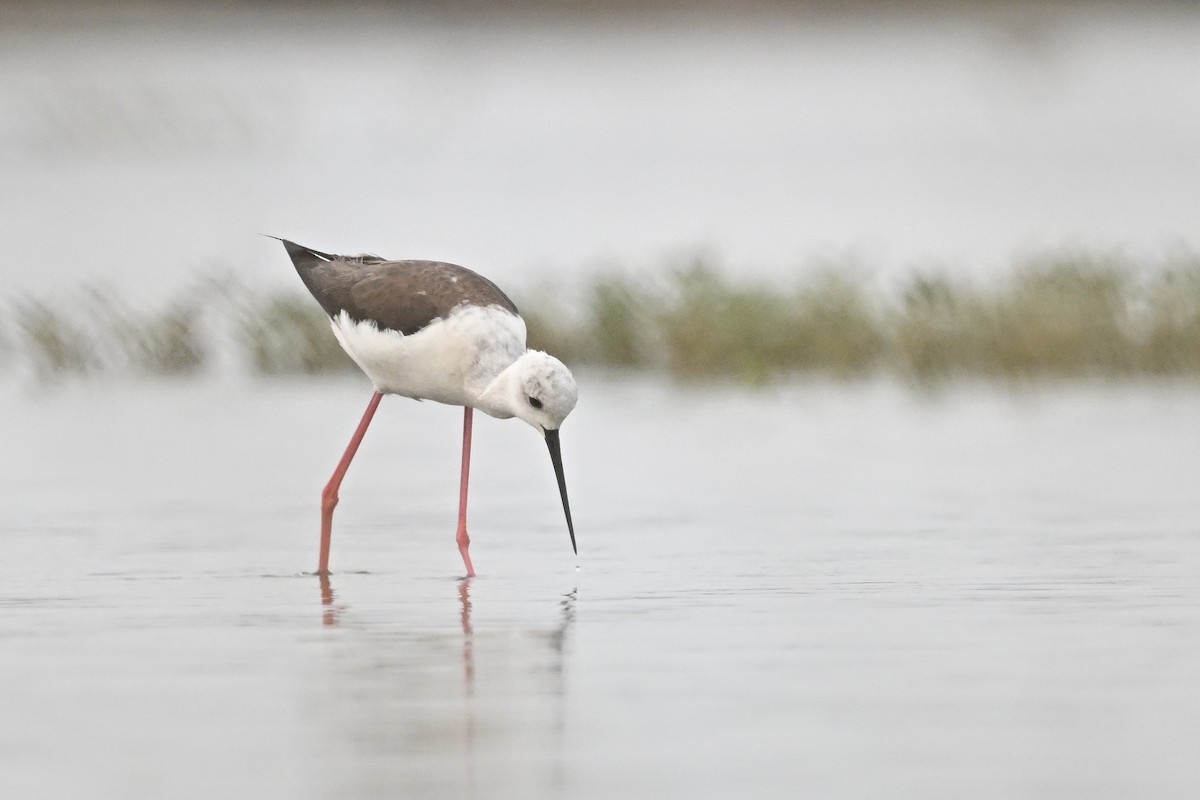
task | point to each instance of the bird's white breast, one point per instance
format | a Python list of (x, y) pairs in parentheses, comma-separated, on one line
[(450, 360)]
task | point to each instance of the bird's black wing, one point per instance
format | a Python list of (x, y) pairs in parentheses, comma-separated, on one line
[(403, 296)]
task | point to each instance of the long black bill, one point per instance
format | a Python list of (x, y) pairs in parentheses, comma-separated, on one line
[(556, 457)]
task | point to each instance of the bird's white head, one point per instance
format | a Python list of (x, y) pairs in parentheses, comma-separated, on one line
[(543, 390), (539, 389)]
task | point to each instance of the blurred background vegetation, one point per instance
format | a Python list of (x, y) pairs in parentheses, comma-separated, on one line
[(1054, 316), (142, 141)]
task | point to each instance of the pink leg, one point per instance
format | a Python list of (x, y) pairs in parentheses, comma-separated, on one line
[(329, 497), (463, 540)]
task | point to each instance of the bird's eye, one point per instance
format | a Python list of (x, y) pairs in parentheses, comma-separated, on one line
[(533, 401)]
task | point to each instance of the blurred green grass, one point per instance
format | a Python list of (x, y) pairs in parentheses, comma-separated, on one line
[(1054, 316)]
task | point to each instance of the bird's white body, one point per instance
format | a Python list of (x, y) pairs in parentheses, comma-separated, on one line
[(475, 356), (450, 360)]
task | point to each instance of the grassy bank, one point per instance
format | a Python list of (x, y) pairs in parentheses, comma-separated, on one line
[(1053, 317)]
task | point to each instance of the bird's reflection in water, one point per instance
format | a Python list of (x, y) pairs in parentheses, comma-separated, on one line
[(464, 597), (567, 604), (411, 719), (329, 611)]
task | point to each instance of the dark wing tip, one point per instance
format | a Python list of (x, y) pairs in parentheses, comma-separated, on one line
[(302, 256)]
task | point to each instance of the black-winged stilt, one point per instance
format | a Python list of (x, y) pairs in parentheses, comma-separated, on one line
[(435, 331)]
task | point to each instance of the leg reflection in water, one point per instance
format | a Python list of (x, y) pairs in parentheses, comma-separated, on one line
[(468, 652), (329, 611), (431, 689)]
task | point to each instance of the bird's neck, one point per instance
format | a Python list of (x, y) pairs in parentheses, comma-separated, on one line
[(497, 390)]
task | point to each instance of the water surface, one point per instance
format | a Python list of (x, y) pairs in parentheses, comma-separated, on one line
[(805, 591)]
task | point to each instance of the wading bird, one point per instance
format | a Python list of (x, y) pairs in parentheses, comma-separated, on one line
[(435, 331)]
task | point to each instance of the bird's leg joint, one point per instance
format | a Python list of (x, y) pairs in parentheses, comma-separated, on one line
[(329, 498)]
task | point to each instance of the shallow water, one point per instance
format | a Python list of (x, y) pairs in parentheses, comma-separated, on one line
[(807, 591)]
